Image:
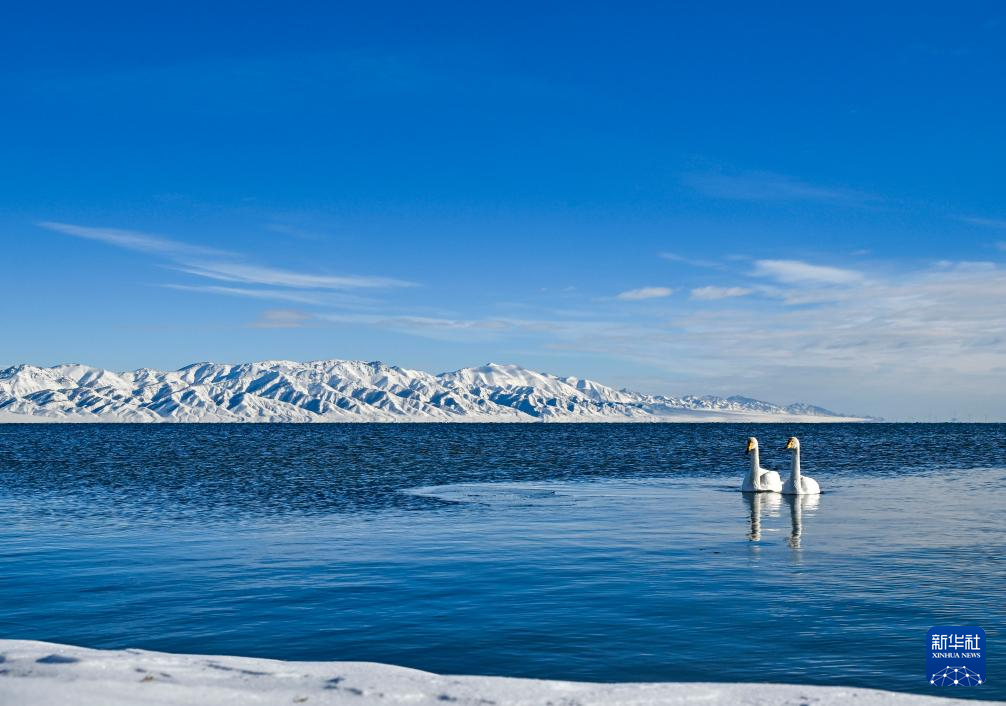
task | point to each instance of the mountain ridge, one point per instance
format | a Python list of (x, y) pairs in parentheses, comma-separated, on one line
[(355, 391)]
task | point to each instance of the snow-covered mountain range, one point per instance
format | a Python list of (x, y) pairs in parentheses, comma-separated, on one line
[(353, 391)]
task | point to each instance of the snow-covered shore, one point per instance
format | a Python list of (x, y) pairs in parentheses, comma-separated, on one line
[(47, 674)]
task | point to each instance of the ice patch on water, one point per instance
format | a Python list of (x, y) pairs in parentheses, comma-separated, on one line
[(494, 494)]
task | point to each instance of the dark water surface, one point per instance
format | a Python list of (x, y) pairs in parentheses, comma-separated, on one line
[(592, 552)]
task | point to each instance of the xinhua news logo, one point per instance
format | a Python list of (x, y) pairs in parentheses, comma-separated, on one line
[(956, 655)]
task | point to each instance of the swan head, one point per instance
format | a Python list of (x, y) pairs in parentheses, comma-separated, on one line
[(752, 444), (793, 444)]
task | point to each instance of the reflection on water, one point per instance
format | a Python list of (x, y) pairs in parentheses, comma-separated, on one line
[(798, 505), (767, 505), (759, 503), (602, 553)]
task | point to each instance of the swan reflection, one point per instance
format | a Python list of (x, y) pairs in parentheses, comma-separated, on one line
[(758, 504), (797, 505)]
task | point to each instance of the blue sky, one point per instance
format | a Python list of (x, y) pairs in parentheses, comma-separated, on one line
[(791, 202)]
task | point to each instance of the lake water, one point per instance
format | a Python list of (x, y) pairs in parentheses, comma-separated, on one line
[(589, 552)]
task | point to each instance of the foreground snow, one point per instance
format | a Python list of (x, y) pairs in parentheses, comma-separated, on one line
[(353, 391), (46, 674)]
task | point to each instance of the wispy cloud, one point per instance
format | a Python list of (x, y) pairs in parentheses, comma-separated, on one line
[(295, 231), (450, 329), (798, 272), (269, 283), (422, 322), (965, 266), (550, 331), (950, 318), (873, 342), (941, 324), (269, 294), (645, 293), (694, 262), (282, 318), (133, 240), (760, 186), (275, 277), (712, 293), (996, 223)]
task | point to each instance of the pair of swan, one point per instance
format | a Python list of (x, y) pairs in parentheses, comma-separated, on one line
[(760, 480)]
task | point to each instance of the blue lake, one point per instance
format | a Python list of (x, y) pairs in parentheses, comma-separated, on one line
[(590, 552)]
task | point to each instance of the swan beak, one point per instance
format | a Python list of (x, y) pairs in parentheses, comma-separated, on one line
[(750, 447), (790, 444)]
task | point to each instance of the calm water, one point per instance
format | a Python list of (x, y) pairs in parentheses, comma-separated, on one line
[(600, 552)]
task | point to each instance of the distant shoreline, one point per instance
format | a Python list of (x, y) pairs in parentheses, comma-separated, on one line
[(361, 391), (6, 418)]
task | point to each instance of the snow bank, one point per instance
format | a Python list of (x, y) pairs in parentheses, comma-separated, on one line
[(46, 674)]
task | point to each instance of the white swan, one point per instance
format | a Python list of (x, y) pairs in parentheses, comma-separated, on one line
[(798, 484), (759, 480)]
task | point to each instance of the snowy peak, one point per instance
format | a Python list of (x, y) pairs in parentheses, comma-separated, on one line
[(514, 377), (348, 391), (495, 375)]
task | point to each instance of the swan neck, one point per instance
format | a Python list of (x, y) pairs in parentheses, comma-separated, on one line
[(795, 474), (755, 465)]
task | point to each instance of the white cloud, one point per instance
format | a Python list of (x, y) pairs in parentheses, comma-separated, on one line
[(645, 293), (132, 240), (933, 336), (997, 223), (694, 262), (712, 293), (457, 329), (270, 294), (222, 266), (944, 322), (761, 186), (877, 348), (275, 277), (798, 272), (966, 265), (408, 321)]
